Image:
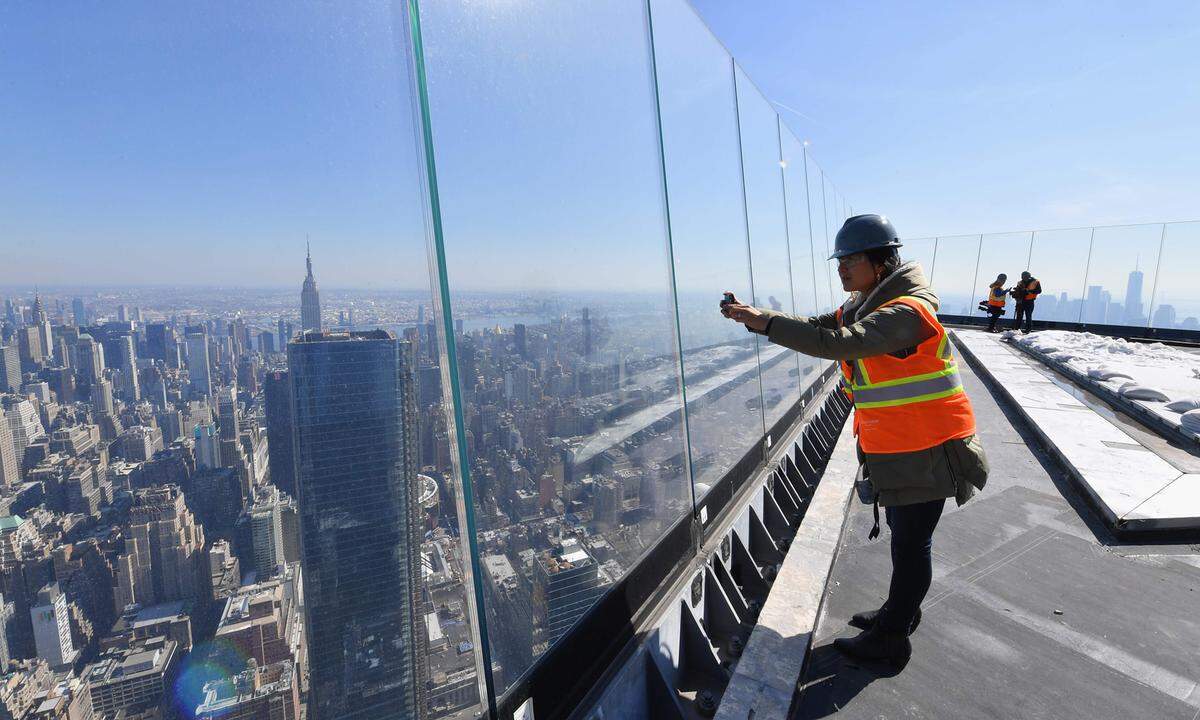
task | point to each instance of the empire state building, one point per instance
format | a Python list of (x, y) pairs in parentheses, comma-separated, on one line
[(310, 299)]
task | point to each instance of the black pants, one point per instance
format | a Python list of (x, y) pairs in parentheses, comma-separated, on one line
[(995, 312), (1026, 307), (912, 561)]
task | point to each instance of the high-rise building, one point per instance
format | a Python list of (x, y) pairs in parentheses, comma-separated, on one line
[(282, 332), (41, 321), (519, 336), (1164, 316), (310, 299), (227, 422), (30, 348), (10, 467), (566, 585), (1133, 299), (164, 551), (266, 342), (608, 502), (132, 679), (52, 628), (23, 422), (199, 366), (208, 446), (160, 338), (587, 334), (277, 401), (10, 368), (266, 532), (356, 463), (79, 312), (102, 397), (91, 360), (130, 388)]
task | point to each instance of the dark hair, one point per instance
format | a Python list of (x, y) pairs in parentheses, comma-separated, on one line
[(886, 257)]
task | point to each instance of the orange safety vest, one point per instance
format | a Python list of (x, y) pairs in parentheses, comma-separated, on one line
[(1032, 295), (911, 403), (996, 297)]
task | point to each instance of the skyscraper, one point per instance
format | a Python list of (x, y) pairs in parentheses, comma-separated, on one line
[(277, 402), (10, 467), (567, 584), (199, 367), (10, 368), (283, 335), (79, 311), (164, 550), (41, 321), (128, 364), (356, 471), (1133, 299), (91, 360), (310, 299), (52, 627)]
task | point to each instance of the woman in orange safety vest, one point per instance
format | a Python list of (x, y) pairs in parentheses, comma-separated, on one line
[(914, 424), (995, 301)]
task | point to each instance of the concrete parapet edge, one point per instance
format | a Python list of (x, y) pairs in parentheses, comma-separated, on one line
[(763, 684)]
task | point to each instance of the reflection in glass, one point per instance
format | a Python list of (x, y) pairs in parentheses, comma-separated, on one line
[(708, 235), (548, 171), (1121, 274), (1060, 262), (1176, 294), (767, 223)]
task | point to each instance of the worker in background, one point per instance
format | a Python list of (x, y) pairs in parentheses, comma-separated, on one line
[(914, 423), (1025, 292), (997, 294)]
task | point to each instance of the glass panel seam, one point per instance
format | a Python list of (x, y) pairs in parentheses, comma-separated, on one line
[(689, 472), (456, 419)]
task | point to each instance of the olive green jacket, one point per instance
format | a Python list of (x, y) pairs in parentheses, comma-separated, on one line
[(953, 469)]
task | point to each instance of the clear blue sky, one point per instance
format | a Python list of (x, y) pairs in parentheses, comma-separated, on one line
[(168, 142), (960, 117)]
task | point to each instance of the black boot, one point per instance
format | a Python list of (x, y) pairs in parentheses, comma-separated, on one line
[(865, 620), (876, 644)]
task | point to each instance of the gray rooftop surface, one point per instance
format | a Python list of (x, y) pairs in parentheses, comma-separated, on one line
[(991, 644)]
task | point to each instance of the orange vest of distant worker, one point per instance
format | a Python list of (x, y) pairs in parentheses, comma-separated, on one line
[(911, 403), (1034, 285), (996, 296)]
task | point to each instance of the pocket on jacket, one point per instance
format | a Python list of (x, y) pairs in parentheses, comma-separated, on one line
[(969, 460), (895, 471)]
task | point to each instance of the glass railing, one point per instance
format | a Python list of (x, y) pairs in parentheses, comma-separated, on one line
[(499, 383), (1124, 275)]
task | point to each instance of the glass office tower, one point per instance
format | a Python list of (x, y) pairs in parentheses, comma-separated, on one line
[(352, 394)]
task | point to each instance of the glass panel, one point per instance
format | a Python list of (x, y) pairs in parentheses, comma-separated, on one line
[(554, 229), (922, 251), (708, 234), (833, 223), (190, 153), (769, 260), (820, 234), (1122, 268), (1176, 301), (955, 276), (804, 261), (999, 253), (1060, 263)]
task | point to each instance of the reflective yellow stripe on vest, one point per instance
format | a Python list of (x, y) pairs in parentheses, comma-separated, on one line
[(902, 391), (919, 388)]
